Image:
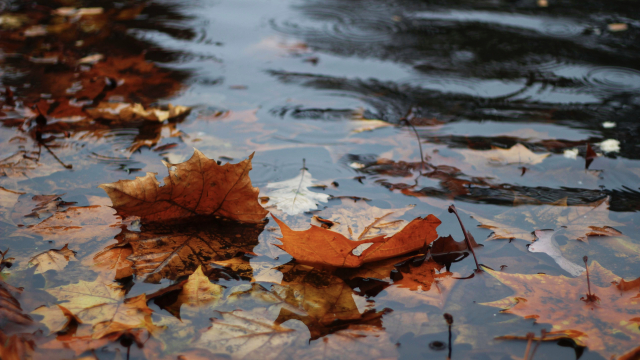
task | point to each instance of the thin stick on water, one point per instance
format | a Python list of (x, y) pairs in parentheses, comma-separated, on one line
[(543, 333), (452, 209), (530, 337), (449, 319)]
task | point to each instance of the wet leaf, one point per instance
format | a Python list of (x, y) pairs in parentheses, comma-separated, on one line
[(326, 300), (197, 292), (247, 335), (576, 221), (100, 303), (419, 282), (446, 245), (517, 154), (293, 196), (609, 326), (321, 246), (546, 243), (10, 309), (135, 112), (174, 250), (53, 259), (198, 186)]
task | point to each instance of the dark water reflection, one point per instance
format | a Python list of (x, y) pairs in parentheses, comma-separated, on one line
[(294, 80)]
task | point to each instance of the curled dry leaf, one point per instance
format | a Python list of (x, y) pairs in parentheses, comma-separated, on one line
[(321, 246), (198, 186), (609, 326), (135, 112), (53, 259), (576, 221)]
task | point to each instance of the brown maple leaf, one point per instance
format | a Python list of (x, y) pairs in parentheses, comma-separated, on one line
[(321, 246), (198, 186), (10, 310), (608, 326), (577, 221)]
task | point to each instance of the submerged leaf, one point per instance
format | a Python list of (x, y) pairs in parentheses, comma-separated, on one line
[(53, 259), (609, 326), (293, 196), (135, 112)]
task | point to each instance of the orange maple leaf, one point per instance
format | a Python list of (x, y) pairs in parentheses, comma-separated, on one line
[(321, 246), (608, 326), (198, 186)]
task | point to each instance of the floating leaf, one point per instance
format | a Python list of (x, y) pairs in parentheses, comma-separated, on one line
[(53, 259), (293, 196), (198, 186)]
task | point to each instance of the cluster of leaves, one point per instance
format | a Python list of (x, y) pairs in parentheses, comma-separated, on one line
[(203, 225)]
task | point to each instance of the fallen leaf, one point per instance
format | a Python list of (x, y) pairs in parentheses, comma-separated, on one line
[(76, 225), (115, 258), (197, 292), (293, 196), (135, 112), (326, 300), (17, 346), (517, 154), (321, 246), (53, 259), (547, 244), (247, 335), (420, 281), (576, 221), (357, 220), (37, 208), (608, 326), (447, 245), (198, 186), (170, 251), (364, 342), (10, 309), (100, 303)]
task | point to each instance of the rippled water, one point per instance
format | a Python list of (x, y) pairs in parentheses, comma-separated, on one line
[(291, 79)]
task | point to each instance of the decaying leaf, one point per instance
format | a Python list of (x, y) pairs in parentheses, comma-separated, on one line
[(170, 251), (53, 259), (609, 326), (115, 258), (321, 246), (576, 221), (446, 245), (10, 310), (293, 196), (135, 112), (363, 341), (247, 335), (198, 186), (100, 303), (76, 225)]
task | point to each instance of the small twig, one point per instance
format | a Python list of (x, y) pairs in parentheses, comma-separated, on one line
[(452, 209), (54, 155), (530, 337), (543, 333), (449, 319)]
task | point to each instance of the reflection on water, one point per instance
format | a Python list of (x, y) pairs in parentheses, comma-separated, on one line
[(296, 81)]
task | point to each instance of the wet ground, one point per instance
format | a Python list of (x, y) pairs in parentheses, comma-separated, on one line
[(347, 88)]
